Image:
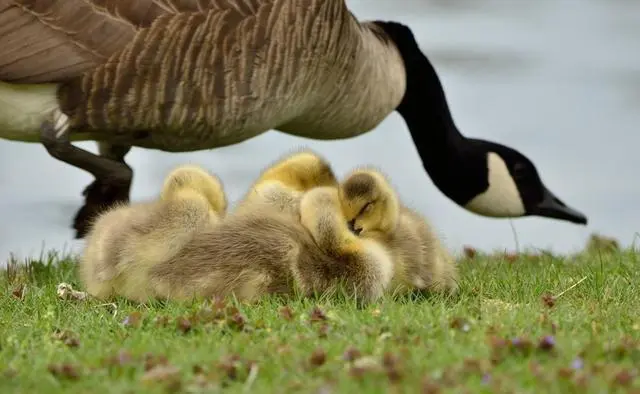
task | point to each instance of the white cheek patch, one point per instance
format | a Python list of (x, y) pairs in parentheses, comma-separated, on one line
[(501, 199)]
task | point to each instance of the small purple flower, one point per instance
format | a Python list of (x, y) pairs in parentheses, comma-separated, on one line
[(516, 341), (486, 378), (577, 363)]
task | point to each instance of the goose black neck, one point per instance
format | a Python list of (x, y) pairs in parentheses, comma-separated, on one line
[(424, 106), (453, 162), (425, 109)]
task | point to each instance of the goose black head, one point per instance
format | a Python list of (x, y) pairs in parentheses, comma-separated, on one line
[(507, 184), (484, 177)]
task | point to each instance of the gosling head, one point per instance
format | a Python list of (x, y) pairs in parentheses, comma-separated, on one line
[(304, 170), (486, 178), (192, 181), (369, 203)]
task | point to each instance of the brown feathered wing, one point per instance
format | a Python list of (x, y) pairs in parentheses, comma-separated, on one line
[(53, 40)]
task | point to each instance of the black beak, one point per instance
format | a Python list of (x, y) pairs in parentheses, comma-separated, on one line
[(552, 207), (352, 224)]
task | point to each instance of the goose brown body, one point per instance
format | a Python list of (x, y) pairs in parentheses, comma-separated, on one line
[(228, 71)]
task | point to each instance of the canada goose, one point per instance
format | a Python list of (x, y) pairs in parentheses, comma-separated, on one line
[(125, 241), (373, 210), (283, 183), (185, 75)]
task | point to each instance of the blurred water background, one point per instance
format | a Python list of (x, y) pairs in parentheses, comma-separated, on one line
[(558, 80)]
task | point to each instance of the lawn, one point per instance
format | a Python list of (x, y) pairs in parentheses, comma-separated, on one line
[(526, 324)]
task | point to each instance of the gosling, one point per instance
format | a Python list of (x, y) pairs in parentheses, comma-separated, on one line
[(127, 241), (281, 185), (374, 211)]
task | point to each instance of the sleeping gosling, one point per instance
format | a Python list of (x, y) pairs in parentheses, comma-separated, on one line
[(373, 211), (127, 241)]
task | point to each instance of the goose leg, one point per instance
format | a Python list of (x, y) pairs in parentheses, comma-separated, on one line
[(105, 191), (113, 175)]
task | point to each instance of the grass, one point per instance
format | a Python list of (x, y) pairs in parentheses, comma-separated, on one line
[(525, 324)]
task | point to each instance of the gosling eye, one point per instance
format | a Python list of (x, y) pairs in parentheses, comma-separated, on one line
[(366, 208)]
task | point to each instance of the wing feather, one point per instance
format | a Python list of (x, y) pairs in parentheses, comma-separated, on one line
[(54, 40)]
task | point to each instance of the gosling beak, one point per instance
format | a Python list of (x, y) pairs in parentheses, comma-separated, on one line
[(352, 227), (552, 207)]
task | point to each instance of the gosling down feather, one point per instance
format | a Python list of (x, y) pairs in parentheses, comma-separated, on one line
[(281, 185), (256, 252), (374, 211), (125, 242), (289, 236), (186, 75)]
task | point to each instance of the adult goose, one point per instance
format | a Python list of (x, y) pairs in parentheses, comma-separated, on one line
[(186, 75)]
